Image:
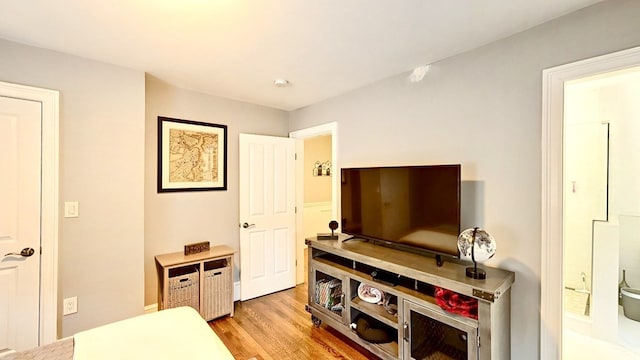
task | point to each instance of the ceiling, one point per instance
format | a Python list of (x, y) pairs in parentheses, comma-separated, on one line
[(237, 48)]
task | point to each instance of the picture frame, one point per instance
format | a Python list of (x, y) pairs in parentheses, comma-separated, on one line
[(192, 155)]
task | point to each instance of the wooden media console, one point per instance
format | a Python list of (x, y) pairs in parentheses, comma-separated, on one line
[(419, 328)]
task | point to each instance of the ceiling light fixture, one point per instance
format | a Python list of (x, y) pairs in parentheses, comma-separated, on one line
[(281, 83), (418, 73)]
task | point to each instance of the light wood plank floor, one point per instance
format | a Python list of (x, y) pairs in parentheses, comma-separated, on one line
[(277, 327)]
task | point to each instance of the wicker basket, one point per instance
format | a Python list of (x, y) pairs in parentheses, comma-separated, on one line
[(183, 290), (217, 293)]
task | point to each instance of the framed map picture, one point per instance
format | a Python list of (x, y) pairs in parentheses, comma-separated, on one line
[(192, 155)]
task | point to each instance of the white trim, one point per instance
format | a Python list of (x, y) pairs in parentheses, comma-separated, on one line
[(553, 80), (299, 217), (317, 204), (151, 308), (236, 291), (326, 129), (49, 206)]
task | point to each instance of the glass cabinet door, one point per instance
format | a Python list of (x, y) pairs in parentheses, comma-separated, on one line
[(429, 334)]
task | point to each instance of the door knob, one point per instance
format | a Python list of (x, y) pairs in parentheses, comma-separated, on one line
[(26, 252), (247, 225)]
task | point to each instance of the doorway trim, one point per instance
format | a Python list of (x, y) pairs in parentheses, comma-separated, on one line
[(553, 80), (325, 129), (49, 203)]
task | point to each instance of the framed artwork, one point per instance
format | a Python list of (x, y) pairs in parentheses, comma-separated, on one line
[(192, 155)]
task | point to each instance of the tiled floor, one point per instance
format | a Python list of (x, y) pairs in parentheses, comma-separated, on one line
[(582, 347)]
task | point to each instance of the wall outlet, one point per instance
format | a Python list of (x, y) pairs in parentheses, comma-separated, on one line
[(70, 305)]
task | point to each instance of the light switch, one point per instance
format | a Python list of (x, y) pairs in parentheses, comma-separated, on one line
[(71, 209)]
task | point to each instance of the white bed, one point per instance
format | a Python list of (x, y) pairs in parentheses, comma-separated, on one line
[(178, 333)]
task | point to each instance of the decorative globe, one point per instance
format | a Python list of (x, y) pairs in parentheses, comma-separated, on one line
[(483, 248)]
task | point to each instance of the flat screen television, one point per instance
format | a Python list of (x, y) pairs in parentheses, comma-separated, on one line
[(409, 206)]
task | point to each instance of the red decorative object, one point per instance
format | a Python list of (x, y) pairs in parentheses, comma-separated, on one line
[(457, 303)]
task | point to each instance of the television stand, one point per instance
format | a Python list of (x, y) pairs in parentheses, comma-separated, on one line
[(439, 260), (385, 277), (420, 328)]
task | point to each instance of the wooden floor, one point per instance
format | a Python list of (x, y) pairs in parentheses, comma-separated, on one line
[(277, 327)]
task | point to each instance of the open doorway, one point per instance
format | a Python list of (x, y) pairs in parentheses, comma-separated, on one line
[(318, 170), (316, 187), (556, 184), (601, 213)]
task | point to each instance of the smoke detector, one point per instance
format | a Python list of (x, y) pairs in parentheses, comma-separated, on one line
[(418, 73), (281, 83)]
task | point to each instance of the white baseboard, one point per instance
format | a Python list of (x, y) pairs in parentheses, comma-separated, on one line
[(236, 291), (150, 308), (6, 352)]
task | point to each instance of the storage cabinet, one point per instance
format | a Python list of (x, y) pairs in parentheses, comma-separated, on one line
[(418, 328), (203, 281), (430, 335)]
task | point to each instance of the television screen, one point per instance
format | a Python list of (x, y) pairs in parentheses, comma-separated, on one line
[(416, 206)]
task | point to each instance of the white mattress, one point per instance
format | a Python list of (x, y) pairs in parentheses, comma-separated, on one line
[(178, 333)]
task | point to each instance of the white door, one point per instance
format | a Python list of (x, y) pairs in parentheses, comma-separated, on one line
[(20, 170), (267, 215)]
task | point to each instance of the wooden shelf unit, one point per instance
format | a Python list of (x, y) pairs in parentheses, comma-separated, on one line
[(214, 279), (352, 262)]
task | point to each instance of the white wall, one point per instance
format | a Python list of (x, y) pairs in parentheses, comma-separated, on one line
[(101, 167), (621, 105), (316, 218), (585, 151), (589, 102), (175, 219), (630, 250), (482, 109)]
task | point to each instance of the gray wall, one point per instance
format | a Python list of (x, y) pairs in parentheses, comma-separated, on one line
[(481, 109), (101, 167), (174, 219)]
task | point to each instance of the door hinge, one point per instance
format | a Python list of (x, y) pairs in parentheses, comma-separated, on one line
[(295, 156), (478, 340), (295, 209)]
